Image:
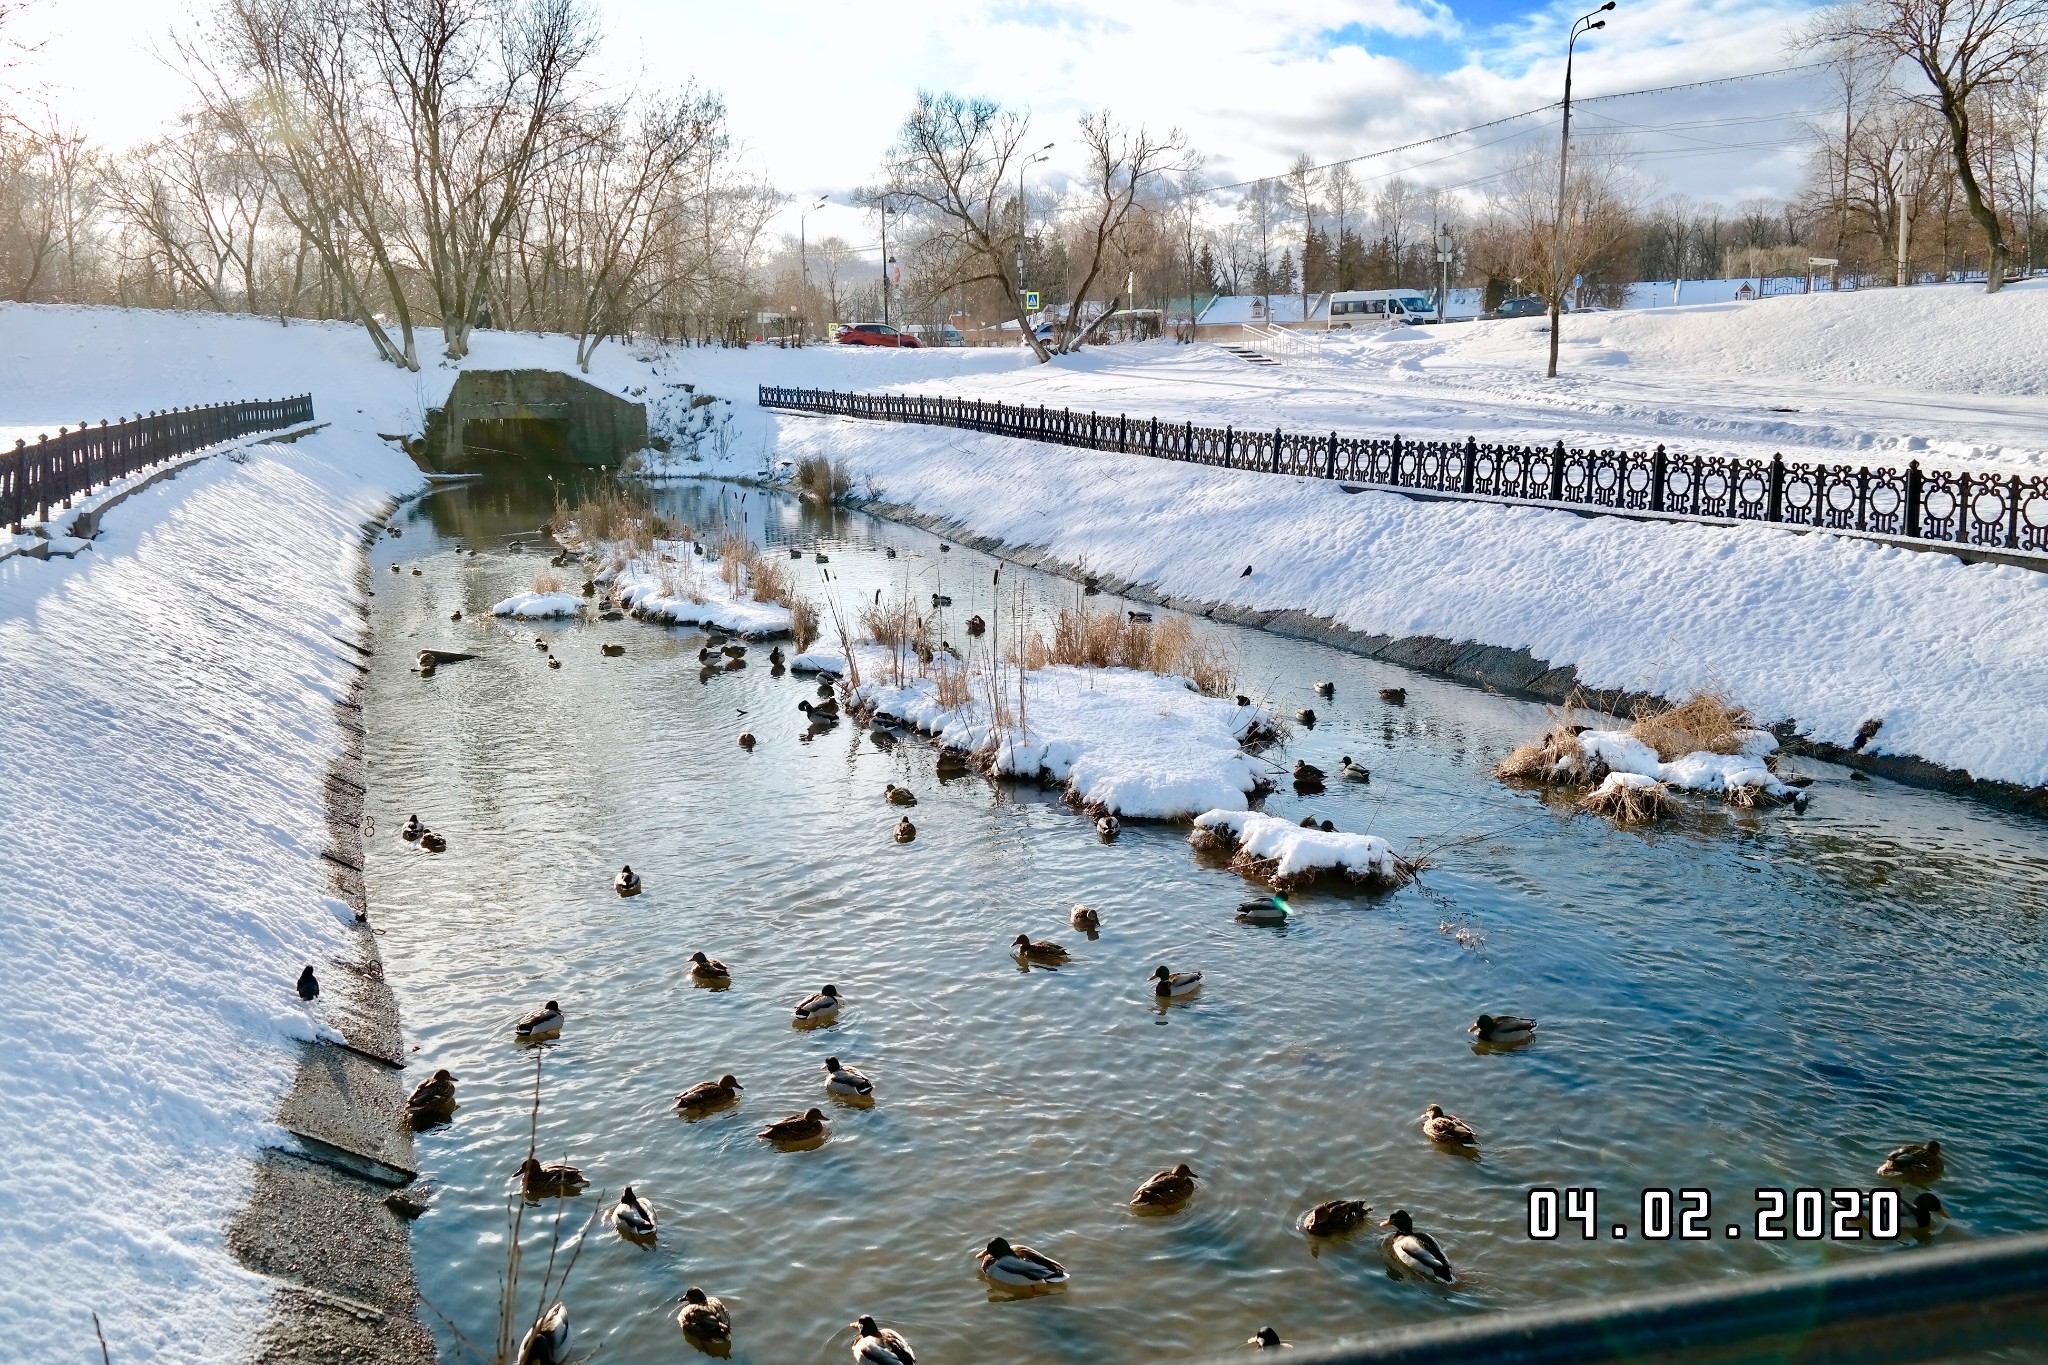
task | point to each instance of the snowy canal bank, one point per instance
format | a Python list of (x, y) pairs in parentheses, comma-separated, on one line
[(173, 706)]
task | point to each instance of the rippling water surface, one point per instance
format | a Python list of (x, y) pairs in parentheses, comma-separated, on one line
[(1739, 999)]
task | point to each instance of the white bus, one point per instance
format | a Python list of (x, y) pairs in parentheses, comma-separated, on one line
[(1379, 307)]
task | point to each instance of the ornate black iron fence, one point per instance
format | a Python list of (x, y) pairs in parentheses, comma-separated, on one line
[(1990, 511), (77, 460)]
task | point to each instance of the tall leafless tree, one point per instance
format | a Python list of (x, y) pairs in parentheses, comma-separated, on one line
[(1123, 165)]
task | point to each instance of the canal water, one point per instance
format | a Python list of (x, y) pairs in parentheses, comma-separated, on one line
[(1733, 1001)]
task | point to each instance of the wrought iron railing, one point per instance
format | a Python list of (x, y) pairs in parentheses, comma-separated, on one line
[(1960, 507), (77, 460)]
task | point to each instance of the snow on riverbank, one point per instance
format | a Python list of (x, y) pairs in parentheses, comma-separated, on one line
[(668, 584), (1139, 745), (1286, 854), (170, 715), (539, 606), (1828, 631)]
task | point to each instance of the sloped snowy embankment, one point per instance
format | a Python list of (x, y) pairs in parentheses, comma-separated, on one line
[(169, 717), (1828, 631), (1127, 743)]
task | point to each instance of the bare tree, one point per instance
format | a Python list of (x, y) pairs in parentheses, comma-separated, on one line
[(198, 205), (1122, 165), (1301, 187), (1342, 196), (1394, 206), (1964, 49), (952, 164), (1525, 236), (1260, 211)]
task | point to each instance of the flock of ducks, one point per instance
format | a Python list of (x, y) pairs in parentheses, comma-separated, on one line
[(707, 1322)]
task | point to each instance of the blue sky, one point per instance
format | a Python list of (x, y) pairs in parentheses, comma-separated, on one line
[(817, 87)]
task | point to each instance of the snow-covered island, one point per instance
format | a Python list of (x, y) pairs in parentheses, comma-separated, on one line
[(663, 572)]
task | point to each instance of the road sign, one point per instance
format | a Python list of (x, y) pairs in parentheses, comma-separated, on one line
[(1031, 300), (1578, 281), (1822, 260)]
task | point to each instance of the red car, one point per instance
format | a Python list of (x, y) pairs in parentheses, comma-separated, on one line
[(877, 334)]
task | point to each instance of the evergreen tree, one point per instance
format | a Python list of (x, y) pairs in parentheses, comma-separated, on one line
[(1318, 269), (1283, 274), (1350, 261)]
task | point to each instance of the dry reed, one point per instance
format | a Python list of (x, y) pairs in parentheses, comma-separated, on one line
[(953, 690), (822, 480), (547, 581), (1704, 722), (803, 621), (1627, 799), (1085, 639)]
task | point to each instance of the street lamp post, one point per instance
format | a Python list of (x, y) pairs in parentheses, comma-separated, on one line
[(803, 269), (1444, 247), (1584, 24), (886, 258), (1022, 166)]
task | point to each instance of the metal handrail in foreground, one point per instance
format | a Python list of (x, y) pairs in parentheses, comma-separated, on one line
[(77, 460), (1963, 509), (1914, 1305)]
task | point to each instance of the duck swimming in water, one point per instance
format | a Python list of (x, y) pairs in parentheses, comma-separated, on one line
[(547, 1341), (1503, 1028), (1085, 919), (1174, 985), (899, 796), (709, 968), (411, 829), (704, 1318), (542, 1023), (1044, 951), (1166, 1189), (554, 1180), (1447, 1129), (1353, 772), (846, 1081), (1107, 826), (1336, 1217), (1916, 1161), (1019, 1267), (905, 831), (877, 1345), (627, 883), (433, 1097), (1418, 1251), (818, 1007), (705, 1096), (432, 842), (796, 1128), (631, 1215)]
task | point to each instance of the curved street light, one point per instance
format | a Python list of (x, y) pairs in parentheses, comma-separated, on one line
[(1581, 26), (1022, 217), (803, 259)]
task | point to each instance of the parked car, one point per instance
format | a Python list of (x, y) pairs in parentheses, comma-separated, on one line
[(877, 334), (1520, 308)]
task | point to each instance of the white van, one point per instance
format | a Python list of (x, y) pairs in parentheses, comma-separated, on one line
[(1379, 307)]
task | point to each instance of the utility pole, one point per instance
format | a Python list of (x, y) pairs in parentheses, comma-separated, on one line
[(1444, 247), (1580, 26), (803, 269)]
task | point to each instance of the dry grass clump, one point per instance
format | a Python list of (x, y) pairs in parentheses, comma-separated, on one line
[(1629, 799), (1706, 721), (769, 580), (899, 626), (547, 581), (733, 554), (612, 517), (1558, 757), (1085, 639), (953, 691), (822, 480), (803, 621)]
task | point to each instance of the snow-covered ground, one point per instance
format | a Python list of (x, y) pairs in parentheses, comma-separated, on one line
[(169, 691), (1126, 743), (671, 583)]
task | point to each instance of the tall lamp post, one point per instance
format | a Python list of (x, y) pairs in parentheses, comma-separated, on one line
[(803, 268), (1581, 26), (1444, 248), (1022, 166), (886, 259)]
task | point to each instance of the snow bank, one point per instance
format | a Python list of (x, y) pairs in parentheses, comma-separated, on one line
[(1287, 854), (669, 584), (819, 661), (1139, 745), (1742, 773), (539, 605)]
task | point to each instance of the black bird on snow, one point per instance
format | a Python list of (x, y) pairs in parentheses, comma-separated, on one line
[(309, 985), (1247, 572)]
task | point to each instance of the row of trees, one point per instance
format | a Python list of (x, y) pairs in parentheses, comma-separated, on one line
[(400, 163)]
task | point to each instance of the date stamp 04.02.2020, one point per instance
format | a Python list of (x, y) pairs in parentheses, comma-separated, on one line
[(1807, 1215)]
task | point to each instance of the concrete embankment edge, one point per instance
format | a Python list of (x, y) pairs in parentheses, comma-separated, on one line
[(1511, 672), (323, 1221)]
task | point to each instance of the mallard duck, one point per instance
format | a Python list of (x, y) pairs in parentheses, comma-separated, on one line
[(822, 1005), (309, 985), (611, 651), (796, 1128), (455, 615), (1913, 1161), (1336, 1217), (1004, 1264), (823, 712), (627, 883), (554, 662), (547, 1341), (1165, 1189), (976, 626), (1173, 985), (1043, 950), (775, 658), (1307, 717), (1394, 696), (540, 642), (1107, 826), (704, 1318), (746, 739), (1918, 1216), (880, 1345), (432, 842), (411, 829), (899, 796), (708, 1095), (905, 831), (821, 557), (436, 1095), (1270, 910), (1448, 1129), (940, 599), (706, 655), (1326, 689), (709, 968), (1265, 1339), (1503, 1028), (845, 1080), (1084, 919), (631, 1215), (1353, 772), (542, 1022), (735, 650), (1307, 774), (1418, 1251), (557, 1178)]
